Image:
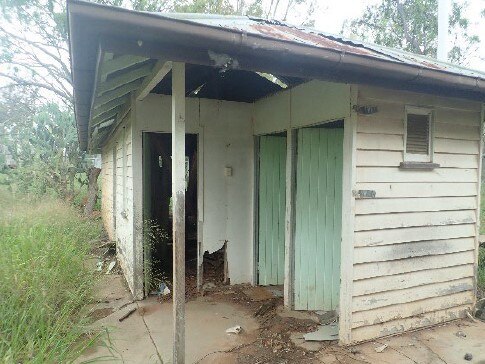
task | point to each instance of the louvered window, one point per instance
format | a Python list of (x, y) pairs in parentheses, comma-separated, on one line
[(418, 135)]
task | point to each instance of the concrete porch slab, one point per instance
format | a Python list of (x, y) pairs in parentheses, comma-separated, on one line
[(440, 344), (146, 335)]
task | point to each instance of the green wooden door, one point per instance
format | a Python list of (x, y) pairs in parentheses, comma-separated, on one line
[(271, 209), (318, 213)]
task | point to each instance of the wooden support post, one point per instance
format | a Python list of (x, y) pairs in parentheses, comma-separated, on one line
[(348, 218), (290, 217), (178, 200)]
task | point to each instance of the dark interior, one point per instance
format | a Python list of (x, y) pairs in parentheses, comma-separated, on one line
[(157, 200), (226, 84)]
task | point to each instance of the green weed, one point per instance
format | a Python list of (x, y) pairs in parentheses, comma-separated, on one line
[(481, 269), (45, 284), (482, 210)]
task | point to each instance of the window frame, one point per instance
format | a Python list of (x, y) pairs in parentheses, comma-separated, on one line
[(413, 157)]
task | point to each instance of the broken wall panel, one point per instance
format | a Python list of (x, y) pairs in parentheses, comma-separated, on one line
[(415, 241)]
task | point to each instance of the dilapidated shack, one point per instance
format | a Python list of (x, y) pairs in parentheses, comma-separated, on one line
[(347, 172)]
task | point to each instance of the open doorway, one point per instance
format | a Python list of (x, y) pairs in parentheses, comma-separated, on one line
[(157, 207)]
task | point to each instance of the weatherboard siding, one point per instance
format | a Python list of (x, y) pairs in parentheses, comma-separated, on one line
[(117, 195), (415, 242), (107, 165), (124, 202)]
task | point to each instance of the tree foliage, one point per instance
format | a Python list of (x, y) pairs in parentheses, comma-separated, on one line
[(36, 107), (412, 25), (45, 143)]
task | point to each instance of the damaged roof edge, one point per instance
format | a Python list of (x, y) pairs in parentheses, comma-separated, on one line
[(346, 66), (212, 32)]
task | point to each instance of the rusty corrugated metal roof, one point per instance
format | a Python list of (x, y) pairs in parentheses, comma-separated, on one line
[(310, 36), (258, 46)]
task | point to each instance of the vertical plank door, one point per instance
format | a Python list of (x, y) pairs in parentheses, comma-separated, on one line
[(271, 209), (318, 218)]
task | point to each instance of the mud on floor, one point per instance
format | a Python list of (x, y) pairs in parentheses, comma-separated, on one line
[(280, 336)]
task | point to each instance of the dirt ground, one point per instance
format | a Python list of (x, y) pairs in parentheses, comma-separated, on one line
[(270, 333)]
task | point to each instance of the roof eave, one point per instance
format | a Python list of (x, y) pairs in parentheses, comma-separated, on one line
[(156, 36)]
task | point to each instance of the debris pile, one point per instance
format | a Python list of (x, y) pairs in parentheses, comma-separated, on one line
[(234, 330), (105, 254), (480, 310)]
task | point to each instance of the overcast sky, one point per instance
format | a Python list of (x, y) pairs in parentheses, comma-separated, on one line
[(331, 14)]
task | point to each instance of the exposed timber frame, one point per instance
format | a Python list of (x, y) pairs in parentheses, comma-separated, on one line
[(120, 63), (178, 197), (124, 78), (159, 71), (116, 79)]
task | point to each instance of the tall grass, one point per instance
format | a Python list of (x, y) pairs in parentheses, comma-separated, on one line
[(481, 251), (45, 285), (481, 269)]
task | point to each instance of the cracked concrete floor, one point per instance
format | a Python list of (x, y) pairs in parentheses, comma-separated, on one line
[(448, 343), (146, 335)]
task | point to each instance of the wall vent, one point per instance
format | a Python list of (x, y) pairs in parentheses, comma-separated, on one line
[(418, 128)]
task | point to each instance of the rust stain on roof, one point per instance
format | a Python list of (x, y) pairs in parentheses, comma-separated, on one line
[(430, 65), (271, 31), (297, 35), (325, 42)]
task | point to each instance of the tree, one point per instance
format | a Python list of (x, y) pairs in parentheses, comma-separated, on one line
[(412, 25), (34, 39), (35, 72), (35, 59), (45, 144)]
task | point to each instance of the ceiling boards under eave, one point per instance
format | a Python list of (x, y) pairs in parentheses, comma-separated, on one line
[(120, 76), (116, 77)]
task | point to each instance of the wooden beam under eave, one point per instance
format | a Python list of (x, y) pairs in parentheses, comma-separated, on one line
[(106, 58), (160, 70), (109, 106), (119, 63), (178, 198), (99, 119), (124, 78), (117, 93), (102, 57)]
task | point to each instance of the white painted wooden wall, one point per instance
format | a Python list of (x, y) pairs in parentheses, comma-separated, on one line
[(107, 191), (123, 234), (415, 242), (225, 139), (307, 104)]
